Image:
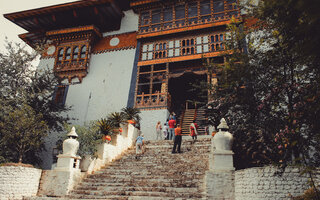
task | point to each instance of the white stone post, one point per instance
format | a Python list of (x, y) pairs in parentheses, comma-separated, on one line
[(219, 180), (61, 180)]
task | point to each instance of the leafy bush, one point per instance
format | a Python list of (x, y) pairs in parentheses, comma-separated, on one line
[(131, 114), (309, 194), (116, 118), (105, 126)]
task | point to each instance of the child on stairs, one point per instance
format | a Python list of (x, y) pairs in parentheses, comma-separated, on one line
[(139, 146)]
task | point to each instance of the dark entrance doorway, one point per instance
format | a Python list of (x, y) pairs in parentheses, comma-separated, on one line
[(181, 89)]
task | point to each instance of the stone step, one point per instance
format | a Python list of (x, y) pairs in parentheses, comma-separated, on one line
[(103, 189), (107, 194), (125, 178), (150, 183), (131, 171)]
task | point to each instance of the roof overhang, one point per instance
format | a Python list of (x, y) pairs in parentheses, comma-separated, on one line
[(106, 15)]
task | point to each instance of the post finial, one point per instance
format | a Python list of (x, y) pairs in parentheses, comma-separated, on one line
[(72, 133), (223, 125)]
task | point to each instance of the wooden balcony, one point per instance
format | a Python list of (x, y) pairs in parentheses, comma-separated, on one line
[(153, 101)]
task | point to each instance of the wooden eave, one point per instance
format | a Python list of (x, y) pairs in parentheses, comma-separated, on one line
[(104, 14), (74, 30), (134, 3)]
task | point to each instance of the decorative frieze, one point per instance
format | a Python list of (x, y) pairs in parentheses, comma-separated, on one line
[(116, 43)]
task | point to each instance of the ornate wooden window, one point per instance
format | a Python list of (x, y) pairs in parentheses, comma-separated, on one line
[(188, 14), (75, 54), (83, 52), (160, 50), (151, 91), (69, 59), (72, 57), (60, 55), (147, 52), (60, 94), (183, 46)]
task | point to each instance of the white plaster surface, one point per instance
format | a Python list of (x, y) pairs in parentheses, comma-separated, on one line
[(129, 23), (105, 89), (220, 185), (18, 182), (108, 152), (47, 63), (261, 183), (222, 160), (149, 119), (59, 183)]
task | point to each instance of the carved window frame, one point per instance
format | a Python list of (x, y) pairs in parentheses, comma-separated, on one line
[(184, 46), (80, 56), (151, 86)]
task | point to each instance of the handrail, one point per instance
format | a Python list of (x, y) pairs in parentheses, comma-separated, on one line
[(152, 100), (195, 113)]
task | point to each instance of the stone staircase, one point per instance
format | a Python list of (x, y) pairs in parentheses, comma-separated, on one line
[(193, 114), (187, 120), (200, 120), (157, 174)]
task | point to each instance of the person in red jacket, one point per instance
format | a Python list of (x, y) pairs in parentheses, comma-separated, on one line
[(172, 125), (194, 130)]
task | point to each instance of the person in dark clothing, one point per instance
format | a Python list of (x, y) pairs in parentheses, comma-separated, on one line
[(177, 139)]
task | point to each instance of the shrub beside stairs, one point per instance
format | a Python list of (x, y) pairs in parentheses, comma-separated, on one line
[(157, 174)]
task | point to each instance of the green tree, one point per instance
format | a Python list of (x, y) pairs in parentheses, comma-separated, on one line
[(269, 94), (22, 85), (23, 131), (21, 82)]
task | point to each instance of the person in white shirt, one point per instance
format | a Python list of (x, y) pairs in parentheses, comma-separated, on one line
[(158, 130)]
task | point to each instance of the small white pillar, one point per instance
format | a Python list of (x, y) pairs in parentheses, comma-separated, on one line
[(61, 180), (223, 155), (219, 180)]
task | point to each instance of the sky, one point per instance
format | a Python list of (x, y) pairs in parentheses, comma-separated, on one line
[(11, 30)]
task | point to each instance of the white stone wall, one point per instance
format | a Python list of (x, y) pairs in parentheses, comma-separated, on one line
[(17, 182), (261, 183), (105, 89), (149, 119)]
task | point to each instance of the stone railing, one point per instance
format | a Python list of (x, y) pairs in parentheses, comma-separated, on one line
[(17, 182), (62, 179), (108, 152)]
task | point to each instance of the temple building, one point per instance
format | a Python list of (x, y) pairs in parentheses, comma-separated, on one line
[(110, 54)]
